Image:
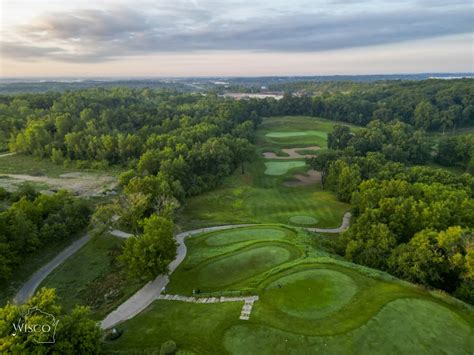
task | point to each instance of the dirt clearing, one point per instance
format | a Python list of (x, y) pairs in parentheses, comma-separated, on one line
[(82, 184)]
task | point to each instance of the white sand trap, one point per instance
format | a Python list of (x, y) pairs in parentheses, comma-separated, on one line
[(311, 177), (292, 153)]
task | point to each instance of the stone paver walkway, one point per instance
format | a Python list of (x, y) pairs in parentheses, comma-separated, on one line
[(246, 309)]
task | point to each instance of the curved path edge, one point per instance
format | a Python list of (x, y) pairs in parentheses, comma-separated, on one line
[(346, 220), (152, 290), (29, 287)]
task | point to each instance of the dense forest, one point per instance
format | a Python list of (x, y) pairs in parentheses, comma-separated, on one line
[(176, 145), (33, 221), (412, 221)]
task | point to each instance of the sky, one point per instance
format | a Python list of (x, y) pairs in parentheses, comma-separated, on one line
[(234, 37)]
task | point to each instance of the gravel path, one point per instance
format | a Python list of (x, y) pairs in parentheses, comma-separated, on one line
[(346, 220), (30, 286)]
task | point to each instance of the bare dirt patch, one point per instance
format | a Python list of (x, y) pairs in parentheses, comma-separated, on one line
[(82, 184), (311, 177), (292, 153)]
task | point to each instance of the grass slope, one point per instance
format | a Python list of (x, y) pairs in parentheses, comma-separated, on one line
[(89, 275), (309, 303)]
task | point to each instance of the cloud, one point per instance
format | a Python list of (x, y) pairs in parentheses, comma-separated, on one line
[(94, 35)]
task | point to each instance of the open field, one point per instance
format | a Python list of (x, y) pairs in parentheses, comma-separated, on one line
[(47, 177), (271, 190), (309, 302), (91, 277)]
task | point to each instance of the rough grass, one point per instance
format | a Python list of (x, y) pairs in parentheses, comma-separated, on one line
[(30, 165), (34, 261), (84, 277)]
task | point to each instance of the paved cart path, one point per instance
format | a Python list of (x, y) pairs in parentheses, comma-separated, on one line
[(152, 290)]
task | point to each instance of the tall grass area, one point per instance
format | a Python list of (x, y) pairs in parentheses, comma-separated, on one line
[(92, 277), (30, 165)]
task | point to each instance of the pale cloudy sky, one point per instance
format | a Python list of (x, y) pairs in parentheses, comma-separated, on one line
[(234, 37)]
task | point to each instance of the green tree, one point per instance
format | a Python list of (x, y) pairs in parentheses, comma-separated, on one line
[(425, 114), (148, 255), (322, 162), (75, 332)]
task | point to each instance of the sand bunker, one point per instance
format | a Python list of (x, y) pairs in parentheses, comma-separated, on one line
[(292, 153), (311, 177), (82, 184)]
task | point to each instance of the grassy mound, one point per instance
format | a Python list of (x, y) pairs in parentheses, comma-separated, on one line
[(309, 303), (242, 235), (227, 260), (312, 294), (241, 265), (276, 168), (303, 220)]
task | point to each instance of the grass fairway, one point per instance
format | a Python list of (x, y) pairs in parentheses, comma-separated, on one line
[(303, 220), (294, 131), (282, 167), (308, 303), (259, 195), (88, 275)]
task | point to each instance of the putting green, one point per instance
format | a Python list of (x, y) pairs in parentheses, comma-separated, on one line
[(282, 167), (303, 220), (238, 266), (243, 235), (310, 294), (296, 134)]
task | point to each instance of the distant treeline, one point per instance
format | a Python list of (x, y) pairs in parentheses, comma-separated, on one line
[(429, 105)]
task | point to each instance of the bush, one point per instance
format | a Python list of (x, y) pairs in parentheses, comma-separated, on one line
[(168, 348)]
